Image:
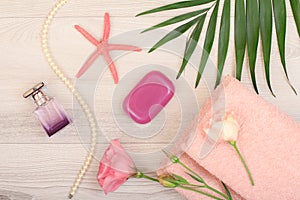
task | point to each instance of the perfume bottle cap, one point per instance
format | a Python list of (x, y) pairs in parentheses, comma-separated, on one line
[(37, 94)]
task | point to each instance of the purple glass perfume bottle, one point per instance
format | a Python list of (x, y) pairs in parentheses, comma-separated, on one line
[(49, 112)]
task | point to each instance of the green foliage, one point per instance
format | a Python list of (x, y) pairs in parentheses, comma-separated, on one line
[(227, 191), (179, 5), (252, 25), (279, 9), (295, 4), (175, 33), (192, 44), (251, 22), (209, 40), (239, 36), (196, 178), (265, 14), (223, 39)]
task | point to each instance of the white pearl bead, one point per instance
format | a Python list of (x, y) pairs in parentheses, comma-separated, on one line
[(59, 73)]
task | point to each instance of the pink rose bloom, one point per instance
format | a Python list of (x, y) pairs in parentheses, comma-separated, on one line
[(115, 167)]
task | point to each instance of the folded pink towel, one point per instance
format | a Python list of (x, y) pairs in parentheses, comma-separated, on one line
[(269, 140)]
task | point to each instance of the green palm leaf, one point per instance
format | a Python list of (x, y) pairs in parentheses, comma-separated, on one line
[(249, 23), (279, 9), (295, 4), (178, 5), (175, 33), (239, 36), (223, 39), (191, 44), (252, 17), (265, 14), (177, 19), (208, 42)]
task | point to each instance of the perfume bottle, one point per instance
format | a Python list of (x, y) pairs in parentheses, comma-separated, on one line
[(49, 112)]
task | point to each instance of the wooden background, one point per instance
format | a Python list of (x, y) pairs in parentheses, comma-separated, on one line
[(35, 167)]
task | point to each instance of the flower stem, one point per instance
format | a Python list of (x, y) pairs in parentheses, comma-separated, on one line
[(243, 161), (193, 185), (190, 170), (150, 178), (142, 175), (216, 191), (205, 184), (200, 192)]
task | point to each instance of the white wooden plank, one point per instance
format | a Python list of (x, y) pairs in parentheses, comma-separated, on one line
[(47, 172), (27, 66), (90, 8), (34, 165), (12, 195)]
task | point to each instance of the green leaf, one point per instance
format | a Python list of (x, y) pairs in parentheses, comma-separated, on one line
[(279, 9), (295, 4), (223, 39), (252, 17), (195, 178), (180, 179), (227, 191), (208, 42), (239, 36), (178, 5), (265, 15), (177, 19), (175, 33), (191, 44)]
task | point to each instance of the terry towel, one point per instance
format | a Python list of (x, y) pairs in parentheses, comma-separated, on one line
[(269, 141)]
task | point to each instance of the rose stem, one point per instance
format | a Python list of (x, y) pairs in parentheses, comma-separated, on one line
[(200, 192), (243, 161), (150, 178), (205, 184), (142, 175)]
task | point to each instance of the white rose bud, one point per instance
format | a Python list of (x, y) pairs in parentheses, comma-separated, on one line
[(230, 129)]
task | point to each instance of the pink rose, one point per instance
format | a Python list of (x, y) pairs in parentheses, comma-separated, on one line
[(115, 167)]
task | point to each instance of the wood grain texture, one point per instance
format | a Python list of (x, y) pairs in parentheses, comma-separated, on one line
[(35, 167), (11, 195), (91, 8)]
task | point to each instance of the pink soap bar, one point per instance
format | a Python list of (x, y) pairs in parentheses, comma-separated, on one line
[(148, 97)]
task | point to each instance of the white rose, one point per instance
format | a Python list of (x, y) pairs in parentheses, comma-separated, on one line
[(230, 129)]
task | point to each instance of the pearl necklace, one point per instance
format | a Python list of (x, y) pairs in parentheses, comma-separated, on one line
[(71, 87)]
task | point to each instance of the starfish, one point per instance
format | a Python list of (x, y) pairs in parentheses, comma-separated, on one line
[(103, 48)]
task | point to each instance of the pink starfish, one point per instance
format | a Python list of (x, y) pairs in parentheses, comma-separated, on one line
[(103, 48)]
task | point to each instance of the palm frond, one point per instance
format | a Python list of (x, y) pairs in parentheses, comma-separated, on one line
[(279, 9), (239, 36), (191, 44), (252, 18), (251, 21), (265, 16), (177, 19), (208, 42), (175, 33), (295, 4), (178, 5), (223, 39)]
